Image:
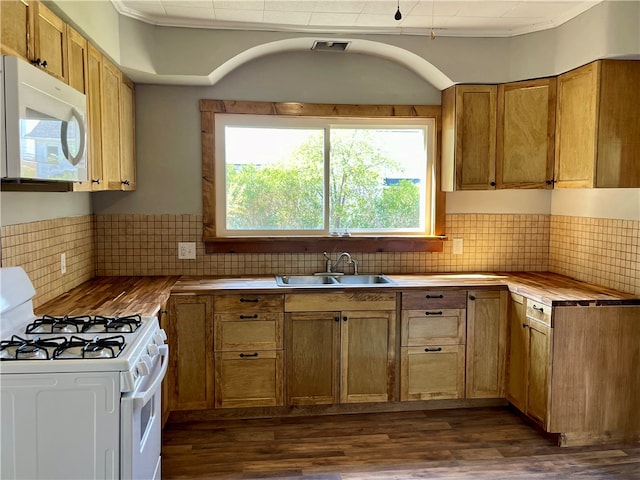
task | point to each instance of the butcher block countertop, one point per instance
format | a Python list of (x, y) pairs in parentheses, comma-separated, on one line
[(146, 295), (545, 287), (112, 296)]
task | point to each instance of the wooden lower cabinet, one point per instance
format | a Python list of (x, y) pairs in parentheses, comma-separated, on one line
[(248, 351), (486, 343), (345, 356), (248, 379), (190, 337), (312, 367), (529, 357), (432, 372), (432, 338)]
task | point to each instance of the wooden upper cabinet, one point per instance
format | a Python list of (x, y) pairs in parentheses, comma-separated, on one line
[(469, 137), (50, 43), (597, 141), (110, 118), (94, 110), (526, 134), (127, 135), (17, 27), (77, 47)]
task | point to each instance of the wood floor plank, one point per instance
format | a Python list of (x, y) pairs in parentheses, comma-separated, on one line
[(492, 443)]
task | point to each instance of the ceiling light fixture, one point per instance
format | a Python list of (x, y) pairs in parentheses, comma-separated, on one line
[(433, 7), (398, 15)]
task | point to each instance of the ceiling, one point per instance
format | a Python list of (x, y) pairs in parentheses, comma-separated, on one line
[(497, 18)]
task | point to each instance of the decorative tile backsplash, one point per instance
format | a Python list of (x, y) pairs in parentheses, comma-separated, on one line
[(147, 245), (37, 247), (600, 251), (597, 250)]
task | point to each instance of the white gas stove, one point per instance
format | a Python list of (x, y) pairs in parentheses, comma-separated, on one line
[(79, 395)]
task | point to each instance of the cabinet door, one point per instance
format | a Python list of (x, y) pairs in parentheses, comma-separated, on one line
[(110, 107), (432, 372), (17, 27), (312, 366), (127, 135), (367, 356), (50, 42), (486, 343), (525, 135), (255, 331), (538, 371), (248, 379), (576, 127), (517, 356), (475, 137), (94, 107), (190, 333)]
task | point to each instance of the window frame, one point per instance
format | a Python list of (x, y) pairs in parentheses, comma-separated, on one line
[(277, 244)]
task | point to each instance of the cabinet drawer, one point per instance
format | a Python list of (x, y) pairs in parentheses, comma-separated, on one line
[(539, 312), (239, 331), (249, 303), (248, 379), (432, 372), (440, 327), (428, 299)]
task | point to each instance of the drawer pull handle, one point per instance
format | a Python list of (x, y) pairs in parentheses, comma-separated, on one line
[(539, 309), (248, 355), (524, 325), (249, 300), (439, 349), (433, 313), (243, 317), (434, 296)]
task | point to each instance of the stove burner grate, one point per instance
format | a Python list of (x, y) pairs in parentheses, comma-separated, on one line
[(19, 348), (76, 347), (129, 323), (51, 324)]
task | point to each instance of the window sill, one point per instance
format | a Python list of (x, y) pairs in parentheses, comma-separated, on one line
[(364, 244)]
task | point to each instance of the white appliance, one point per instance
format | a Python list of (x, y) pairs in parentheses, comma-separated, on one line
[(43, 125), (80, 397)]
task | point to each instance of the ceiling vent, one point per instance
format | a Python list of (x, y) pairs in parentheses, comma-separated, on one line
[(330, 46)]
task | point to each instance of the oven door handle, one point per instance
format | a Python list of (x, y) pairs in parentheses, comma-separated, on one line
[(140, 399)]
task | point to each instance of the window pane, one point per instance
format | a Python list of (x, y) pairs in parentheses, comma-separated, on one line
[(274, 178), (377, 179)]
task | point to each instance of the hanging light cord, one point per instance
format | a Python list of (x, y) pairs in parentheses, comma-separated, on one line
[(433, 7), (398, 15)]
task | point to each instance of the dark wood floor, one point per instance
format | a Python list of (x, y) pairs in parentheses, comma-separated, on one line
[(488, 443)]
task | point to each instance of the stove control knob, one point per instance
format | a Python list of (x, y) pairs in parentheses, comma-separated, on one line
[(153, 350), (144, 366), (159, 337)]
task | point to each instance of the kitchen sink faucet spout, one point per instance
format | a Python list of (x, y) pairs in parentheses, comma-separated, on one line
[(344, 256)]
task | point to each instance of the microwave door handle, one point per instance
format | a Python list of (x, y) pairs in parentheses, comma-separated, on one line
[(141, 398), (64, 140)]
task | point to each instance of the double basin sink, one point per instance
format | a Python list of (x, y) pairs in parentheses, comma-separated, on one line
[(328, 280)]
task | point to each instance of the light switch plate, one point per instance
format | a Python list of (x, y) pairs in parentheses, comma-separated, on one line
[(457, 246), (187, 250)]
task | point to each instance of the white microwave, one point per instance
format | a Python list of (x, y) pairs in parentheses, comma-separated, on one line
[(44, 135)]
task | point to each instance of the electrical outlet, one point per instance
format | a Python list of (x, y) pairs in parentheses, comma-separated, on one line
[(63, 263), (187, 250), (457, 246)]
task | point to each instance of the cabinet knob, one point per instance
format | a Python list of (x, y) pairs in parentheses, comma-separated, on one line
[(524, 325), (164, 312), (493, 184), (95, 180), (345, 318), (125, 182), (471, 297)]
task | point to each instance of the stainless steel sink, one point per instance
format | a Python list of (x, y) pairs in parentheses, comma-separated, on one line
[(331, 280), (364, 280)]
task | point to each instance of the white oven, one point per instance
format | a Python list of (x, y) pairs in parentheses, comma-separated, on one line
[(80, 396)]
